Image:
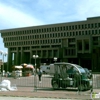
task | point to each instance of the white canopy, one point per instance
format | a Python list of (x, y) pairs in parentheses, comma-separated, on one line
[(19, 67)]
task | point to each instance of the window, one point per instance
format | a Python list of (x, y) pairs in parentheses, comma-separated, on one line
[(61, 28), (79, 44), (75, 26), (82, 26), (98, 24), (64, 28), (96, 32), (92, 31), (79, 27), (85, 25), (89, 32), (91, 25), (86, 44), (52, 29), (82, 32), (88, 25), (79, 32), (69, 27)]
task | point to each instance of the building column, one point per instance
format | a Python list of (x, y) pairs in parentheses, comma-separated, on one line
[(9, 63), (31, 56), (17, 57), (82, 45), (22, 55)]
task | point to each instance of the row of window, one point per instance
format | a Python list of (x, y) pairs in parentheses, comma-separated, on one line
[(70, 52), (80, 45), (54, 29), (43, 53), (43, 43), (53, 35), (34, 42)]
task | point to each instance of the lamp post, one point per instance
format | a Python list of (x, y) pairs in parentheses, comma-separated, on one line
[(55, 59), (35, 79), (3, 54), (35, 57)]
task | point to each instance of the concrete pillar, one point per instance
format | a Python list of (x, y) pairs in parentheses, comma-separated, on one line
[(22, 55), (9, 64), (17, 57), (31, 56), (82, 46), (14, 58)]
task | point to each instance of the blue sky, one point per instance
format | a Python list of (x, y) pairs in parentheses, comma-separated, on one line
[(24, 13)]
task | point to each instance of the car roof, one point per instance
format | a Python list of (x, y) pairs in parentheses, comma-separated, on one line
[(78, 67)]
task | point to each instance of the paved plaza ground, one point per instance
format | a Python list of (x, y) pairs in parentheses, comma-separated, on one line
[(28, 92), (27, 98), (25, 89)]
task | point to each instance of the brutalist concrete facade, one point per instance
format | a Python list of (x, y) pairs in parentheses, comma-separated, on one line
[(74, 42)]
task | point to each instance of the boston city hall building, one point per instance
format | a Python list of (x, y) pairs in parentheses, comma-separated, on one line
[(74, 42)]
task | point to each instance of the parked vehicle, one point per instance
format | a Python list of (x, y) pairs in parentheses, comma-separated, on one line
[(51, 70), (45, 68), (88, 72), (70, 75)]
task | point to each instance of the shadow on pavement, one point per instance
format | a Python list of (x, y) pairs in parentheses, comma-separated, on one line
[(66, 90)]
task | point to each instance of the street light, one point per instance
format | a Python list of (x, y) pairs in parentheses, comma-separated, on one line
[(35, 57), (55, 59), (3, 54), (35, 79)]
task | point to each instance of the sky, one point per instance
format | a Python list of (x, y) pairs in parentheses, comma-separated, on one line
[(25, 13)]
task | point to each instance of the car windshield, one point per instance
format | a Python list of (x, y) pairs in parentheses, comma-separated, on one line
[(80, 68), (86, 70), (69, 66)]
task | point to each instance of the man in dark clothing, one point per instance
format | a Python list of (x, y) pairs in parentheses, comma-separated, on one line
[(39, 74)]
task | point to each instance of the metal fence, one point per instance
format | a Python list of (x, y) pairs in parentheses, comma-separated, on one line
[(33, 81), (96, 81)]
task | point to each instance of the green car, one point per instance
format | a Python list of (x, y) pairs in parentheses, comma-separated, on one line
[(70, 75)]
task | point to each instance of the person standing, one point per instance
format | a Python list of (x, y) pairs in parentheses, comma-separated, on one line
[(39, 74)]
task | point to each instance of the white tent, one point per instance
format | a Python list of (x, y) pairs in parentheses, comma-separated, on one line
[(19, 67)]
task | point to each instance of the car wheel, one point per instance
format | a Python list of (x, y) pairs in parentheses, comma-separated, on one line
[(55, 85)]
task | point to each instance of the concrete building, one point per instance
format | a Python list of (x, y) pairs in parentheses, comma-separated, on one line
[(75, 42)]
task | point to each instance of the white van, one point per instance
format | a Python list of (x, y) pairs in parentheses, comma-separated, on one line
[(51, 70), (45, 68), (48, 69)]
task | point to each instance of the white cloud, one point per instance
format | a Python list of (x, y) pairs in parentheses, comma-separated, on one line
[(23, 13), (14, 18), (88, 8), (16, 13)]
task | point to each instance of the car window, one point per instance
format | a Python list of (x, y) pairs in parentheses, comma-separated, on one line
[(86, 70), (81, 69)]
